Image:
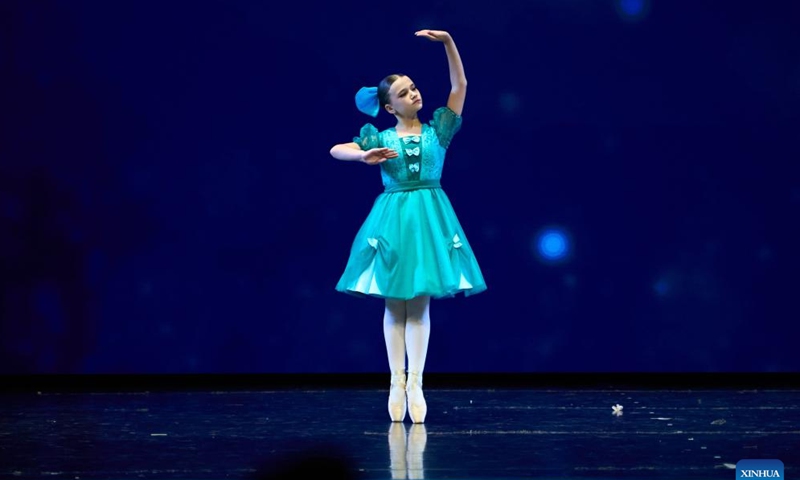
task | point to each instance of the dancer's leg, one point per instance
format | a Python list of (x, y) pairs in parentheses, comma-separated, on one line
[(394, 326), (418, 328)]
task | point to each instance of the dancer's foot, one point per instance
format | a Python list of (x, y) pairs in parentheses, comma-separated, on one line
[(417, 407), (397, 397)]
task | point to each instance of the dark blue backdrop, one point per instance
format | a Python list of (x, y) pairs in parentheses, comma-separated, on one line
[(168, 203)]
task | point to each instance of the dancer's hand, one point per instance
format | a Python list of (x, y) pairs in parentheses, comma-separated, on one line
[(435, 35), (375, 156)]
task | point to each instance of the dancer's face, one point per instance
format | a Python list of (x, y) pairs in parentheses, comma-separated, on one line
[(405, 98)]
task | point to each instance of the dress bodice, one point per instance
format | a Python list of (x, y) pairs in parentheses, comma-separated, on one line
[(420, 157)]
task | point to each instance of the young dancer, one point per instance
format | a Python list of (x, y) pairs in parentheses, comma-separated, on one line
[(411, 247)]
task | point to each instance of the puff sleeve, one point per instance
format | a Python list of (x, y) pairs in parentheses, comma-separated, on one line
[(368, 138), (446, 123)]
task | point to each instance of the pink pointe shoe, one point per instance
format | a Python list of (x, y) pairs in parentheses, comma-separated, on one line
[(397, 397), (417, 407)]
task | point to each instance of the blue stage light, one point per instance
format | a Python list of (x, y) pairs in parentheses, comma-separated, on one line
[(632, 10), (552, 244)]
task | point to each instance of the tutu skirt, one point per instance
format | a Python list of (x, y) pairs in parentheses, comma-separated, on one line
[(411, 244)]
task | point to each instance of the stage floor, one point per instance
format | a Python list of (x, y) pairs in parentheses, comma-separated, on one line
[(470, 433)]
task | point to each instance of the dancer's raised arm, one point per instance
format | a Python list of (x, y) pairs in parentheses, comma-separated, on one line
[(458, 79)]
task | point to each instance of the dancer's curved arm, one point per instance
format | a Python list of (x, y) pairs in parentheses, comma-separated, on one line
[(351, 152), (458, 79)]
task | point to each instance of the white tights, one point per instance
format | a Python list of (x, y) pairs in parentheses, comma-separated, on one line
[(406, 329)]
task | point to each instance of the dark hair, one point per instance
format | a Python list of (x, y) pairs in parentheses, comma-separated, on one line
[(383, 88)]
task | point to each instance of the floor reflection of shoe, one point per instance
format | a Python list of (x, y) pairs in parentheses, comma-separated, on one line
[(417, 439), (398, 450)]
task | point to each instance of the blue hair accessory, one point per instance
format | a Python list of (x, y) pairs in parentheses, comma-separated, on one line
[(367, 101)]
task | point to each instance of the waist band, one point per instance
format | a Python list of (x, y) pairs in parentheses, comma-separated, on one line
[(413, 185)]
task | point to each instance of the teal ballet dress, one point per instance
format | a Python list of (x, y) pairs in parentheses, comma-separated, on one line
[(411, 243)]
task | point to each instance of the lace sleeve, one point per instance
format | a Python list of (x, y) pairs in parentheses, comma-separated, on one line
[(368, 138), (446, 123)]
